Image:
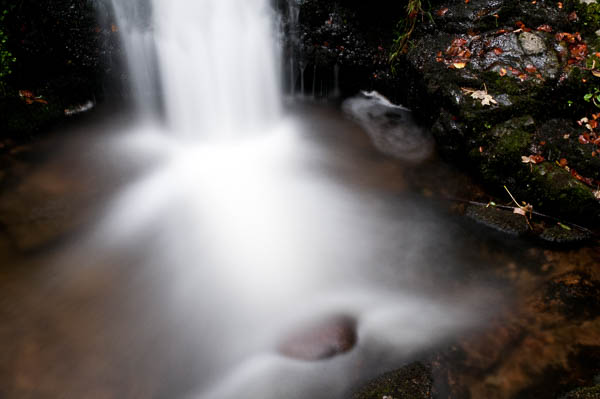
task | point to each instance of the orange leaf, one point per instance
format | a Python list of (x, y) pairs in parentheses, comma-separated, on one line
[(442, 11), (544, 28), (530, 68)]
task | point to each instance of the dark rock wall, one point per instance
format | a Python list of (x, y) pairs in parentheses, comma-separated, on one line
[(67, 52)]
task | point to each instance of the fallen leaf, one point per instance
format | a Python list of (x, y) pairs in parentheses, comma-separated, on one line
[(502, 72), (498, 51), (597, 194), (596, 73), (481, 95), (441, 12), (564, 226), (530, 68), (544, 28), (459, 65), (520, 211), (582, 179), (534, 159), (562, 163)]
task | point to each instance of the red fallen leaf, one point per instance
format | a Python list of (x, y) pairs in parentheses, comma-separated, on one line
[(544, 28), (515, 71), (464, 53), (594, 153), (522, 77), (501, 31), (530, 68), (559, 5), (441, 12), (536, 158), (593, 123), (26, 94), (579, 51), (573, 17), (543, 142), (568, 37), (596, 116), (525, 29), (459, 42), (572, 61), (498, 51), (502, 72), (582, 179), (583, 139), (520, 24), (562, 162)]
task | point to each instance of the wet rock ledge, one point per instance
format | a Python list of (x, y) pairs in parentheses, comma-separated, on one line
[(507, 87)]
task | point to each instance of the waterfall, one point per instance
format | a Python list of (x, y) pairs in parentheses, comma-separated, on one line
[(211, 65)]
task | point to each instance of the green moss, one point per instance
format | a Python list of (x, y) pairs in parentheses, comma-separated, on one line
[(588, 15)]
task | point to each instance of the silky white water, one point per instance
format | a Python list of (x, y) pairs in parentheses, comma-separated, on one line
[(243, 229), (211, 65)]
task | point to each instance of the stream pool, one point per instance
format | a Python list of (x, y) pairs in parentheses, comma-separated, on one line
[(133, 266)]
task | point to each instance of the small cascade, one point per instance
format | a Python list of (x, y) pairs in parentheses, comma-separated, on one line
[(212, 62)]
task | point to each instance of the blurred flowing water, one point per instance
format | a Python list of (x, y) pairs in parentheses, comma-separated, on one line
[(225, 226)]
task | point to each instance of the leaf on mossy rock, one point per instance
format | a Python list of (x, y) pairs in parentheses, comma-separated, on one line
[(481, 95)]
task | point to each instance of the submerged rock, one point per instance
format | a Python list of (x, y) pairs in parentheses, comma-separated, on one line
[(391, 127), (576, 294), (413, 381), (321, 340)]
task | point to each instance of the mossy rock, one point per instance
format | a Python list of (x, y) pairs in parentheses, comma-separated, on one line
[(413, 381), (498, 219), (584, 393)]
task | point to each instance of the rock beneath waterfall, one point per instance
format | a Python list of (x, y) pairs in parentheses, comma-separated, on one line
[(390, 127), (322, 339)]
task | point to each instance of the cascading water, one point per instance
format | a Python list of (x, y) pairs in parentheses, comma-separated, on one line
[(222, 248), (213, 62)]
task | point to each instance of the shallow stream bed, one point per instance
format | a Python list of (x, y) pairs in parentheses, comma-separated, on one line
[(137, 266)]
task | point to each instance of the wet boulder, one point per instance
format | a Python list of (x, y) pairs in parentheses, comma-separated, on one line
[(503, 86), (320, 339)]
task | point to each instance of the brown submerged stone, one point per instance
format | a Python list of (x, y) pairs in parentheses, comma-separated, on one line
[(321, 339)]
